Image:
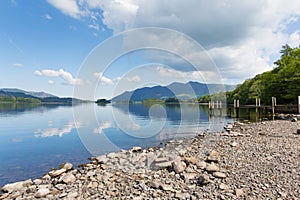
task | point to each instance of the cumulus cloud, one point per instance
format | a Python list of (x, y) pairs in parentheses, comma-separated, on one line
[(103, 80), (134, 79), (60, 73), (68, 7), (238, 35)]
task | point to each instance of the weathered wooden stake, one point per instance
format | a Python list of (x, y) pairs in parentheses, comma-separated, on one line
[(238, 103), (273, 105), (299, 104)]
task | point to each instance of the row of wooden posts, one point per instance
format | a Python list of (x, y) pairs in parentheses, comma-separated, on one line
[(212, 105)]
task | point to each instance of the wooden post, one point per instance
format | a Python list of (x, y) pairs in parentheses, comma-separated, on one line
[(238, 103), (259, 102), (256, 102), (299, 104), (273, 106), (234, 103)]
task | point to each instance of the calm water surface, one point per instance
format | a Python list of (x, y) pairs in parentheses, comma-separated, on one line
[(35, 139)]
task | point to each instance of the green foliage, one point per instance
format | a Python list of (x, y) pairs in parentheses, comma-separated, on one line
[(102, 101), (153, 101), (283, 82), (9, 99), (172, 101)]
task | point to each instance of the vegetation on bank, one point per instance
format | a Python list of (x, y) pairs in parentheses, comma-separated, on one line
[(8, 99), (283, 82)]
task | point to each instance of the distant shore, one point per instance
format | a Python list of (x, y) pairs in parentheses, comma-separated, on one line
[(257, 160)]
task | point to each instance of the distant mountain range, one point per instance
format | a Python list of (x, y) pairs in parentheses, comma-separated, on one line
[(183, 91), (42, 96), (22, 93)]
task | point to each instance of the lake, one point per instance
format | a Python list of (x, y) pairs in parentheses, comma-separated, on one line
[(33, 139)]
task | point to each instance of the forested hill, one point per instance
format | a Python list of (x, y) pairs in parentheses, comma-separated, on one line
[(283, 82)]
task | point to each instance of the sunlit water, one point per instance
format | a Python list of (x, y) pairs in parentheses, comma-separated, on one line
[(35, 139)]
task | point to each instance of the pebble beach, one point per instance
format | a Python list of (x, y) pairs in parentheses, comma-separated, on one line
[(245, 161)]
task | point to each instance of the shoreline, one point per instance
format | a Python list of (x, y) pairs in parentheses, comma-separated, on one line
[(257, 160)]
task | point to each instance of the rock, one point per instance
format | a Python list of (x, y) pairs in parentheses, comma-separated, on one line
[(239, 192), (47, 177), (189, 176), (180, 195), (4, 196), (102, 159), (219, 175), (213, 153), (162, 165), (37, 181), (42, 192), (233, 144), (294, 119), (166, 187), (212, 168), (68, 178), (67, 166), (136, 149), (58, 172), (228, 127), (203, 180), (298, 131), (212, 159), (154, 185), (191, 160), (201, 164), (27, 183), (178, 166), (14, 186), (223, 186), (72, 195)]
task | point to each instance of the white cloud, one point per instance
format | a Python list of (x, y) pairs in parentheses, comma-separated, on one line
[(50, 82), (134, 79), (47, 16), (68, 7), (201, 76), (60, 73), (94, 26), (103, 80), (241, 36), (18, 65)]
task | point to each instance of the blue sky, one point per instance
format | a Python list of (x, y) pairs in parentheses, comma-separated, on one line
[(45, 45)]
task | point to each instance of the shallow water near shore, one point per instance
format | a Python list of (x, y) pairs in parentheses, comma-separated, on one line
[(33, 139)]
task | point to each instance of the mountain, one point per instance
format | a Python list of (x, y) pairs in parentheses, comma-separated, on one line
[(183, 91), (14, 91), (41, 97)]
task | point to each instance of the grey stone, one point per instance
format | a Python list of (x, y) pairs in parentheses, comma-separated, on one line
[(58, 172), (11, 187), (223, 186), (68, 178), (212, 168), (136, 149), (178, 166), (219, 175), (294, 119), (67, 166), (42, 192), (203, 180)]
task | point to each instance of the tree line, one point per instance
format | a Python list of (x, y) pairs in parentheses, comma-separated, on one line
[(283, 82)]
